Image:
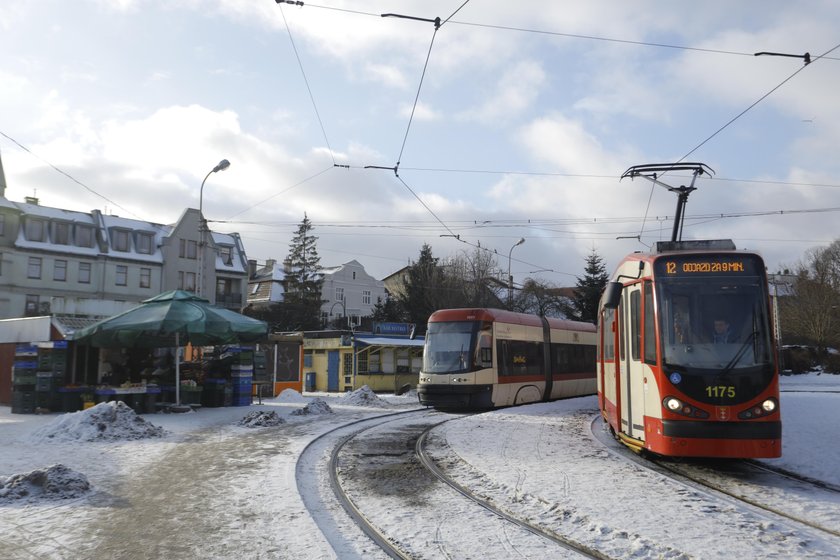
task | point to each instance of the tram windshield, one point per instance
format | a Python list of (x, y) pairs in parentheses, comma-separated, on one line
[(451, 347), (714, 322)]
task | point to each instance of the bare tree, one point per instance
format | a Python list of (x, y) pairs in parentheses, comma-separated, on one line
[(542, 298), (478, 274), (810, 316)]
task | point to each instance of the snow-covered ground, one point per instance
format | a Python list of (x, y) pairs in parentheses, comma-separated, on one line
[(221, 483)]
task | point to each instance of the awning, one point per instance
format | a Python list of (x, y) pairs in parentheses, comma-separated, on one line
[(384, 341), (367, 343)]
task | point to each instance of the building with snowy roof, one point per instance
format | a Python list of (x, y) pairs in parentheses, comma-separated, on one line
[(55, 261)]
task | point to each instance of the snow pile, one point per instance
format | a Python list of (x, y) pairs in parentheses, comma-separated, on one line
[(317, 406), (364, 396), (108, 421), (57, 482), (291, 396), (261, 419)]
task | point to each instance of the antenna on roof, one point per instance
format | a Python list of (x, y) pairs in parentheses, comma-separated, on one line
[(651, 172)]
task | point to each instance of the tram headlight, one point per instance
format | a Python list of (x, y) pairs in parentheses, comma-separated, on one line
[(672, 404), (769, 405)]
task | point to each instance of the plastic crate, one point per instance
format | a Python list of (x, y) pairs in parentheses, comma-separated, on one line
[(26, 350), (190, 395), (24, 378), (25, 364), (241, 400)]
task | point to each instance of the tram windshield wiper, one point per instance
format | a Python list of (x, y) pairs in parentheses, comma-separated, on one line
[(739, 354)]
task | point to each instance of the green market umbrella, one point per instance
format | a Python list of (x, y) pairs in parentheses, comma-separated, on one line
[(173, 319)]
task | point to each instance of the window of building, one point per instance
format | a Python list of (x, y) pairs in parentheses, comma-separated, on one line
[(145, 277), (2, 224), (33, 303), (374, 362), (121, 275), (35, 229), (60, 270), (84, 236), (84, 273), (144, 243), (339, 294), (366, 297), (226, 254), (34, 269), (188, 249), (119, 240), (61, 233), (186, 281)]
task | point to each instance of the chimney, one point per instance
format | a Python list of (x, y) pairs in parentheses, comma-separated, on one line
[(252, 268)]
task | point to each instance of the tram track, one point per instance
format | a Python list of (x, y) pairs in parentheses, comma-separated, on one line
[(386, 460), (792, 497), (560, 540)]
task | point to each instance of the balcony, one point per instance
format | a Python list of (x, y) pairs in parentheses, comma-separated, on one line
[(231, 301)]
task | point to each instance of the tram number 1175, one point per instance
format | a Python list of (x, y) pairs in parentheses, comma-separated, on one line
[(719, 391)]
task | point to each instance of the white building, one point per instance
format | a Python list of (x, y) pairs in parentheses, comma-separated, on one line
[(349, 292)]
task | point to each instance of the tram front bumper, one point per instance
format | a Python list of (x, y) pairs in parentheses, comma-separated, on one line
[(456, 396)]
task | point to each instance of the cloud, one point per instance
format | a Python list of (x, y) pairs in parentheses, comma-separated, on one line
[(512, 95)]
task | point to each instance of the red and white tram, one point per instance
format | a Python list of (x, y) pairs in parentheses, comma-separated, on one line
[(484, 358), (687, 361)]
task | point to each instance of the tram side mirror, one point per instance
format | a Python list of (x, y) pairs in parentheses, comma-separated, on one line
[(612, 295)]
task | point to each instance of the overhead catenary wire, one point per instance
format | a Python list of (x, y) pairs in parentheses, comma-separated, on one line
[(306, 82), (742, 113)]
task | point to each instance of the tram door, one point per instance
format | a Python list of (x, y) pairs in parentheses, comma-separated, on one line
[(632, 375)]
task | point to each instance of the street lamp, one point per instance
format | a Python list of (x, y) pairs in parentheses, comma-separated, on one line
[(221, 166), (343, 308), (510, 276)]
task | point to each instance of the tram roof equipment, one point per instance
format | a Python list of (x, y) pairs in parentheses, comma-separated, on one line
[(652, 172)]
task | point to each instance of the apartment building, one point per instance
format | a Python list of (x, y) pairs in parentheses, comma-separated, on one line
[(55, 261)]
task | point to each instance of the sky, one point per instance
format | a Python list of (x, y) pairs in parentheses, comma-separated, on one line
[(264, 492), (509, 120)]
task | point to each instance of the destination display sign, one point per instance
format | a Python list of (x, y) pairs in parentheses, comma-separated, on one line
[(698, 265)]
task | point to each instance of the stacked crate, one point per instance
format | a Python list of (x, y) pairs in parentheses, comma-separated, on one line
[(241, 375), (24, 379), (52, 361)]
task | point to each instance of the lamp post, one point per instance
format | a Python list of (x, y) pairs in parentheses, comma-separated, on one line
[(510, 276), (343, 308), (202, 227)]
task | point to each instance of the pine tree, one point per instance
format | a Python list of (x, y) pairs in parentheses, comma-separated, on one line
[(589, 288), (302, 298), (429, 288)]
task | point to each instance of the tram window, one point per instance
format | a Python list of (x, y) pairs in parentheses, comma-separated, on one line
[(621, 322), (635, 331), (485, 349), (517, 357), (609, 334), (650, 331)]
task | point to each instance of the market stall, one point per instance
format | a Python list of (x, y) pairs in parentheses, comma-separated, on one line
[(177, 319)]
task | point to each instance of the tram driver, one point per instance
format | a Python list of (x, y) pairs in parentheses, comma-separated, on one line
[(722, 332)]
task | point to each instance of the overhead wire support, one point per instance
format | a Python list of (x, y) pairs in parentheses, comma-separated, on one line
[(436, 21), (806, 57)]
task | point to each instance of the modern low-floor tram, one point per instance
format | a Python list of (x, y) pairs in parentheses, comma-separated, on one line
[(485, 358), (687, 361)]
